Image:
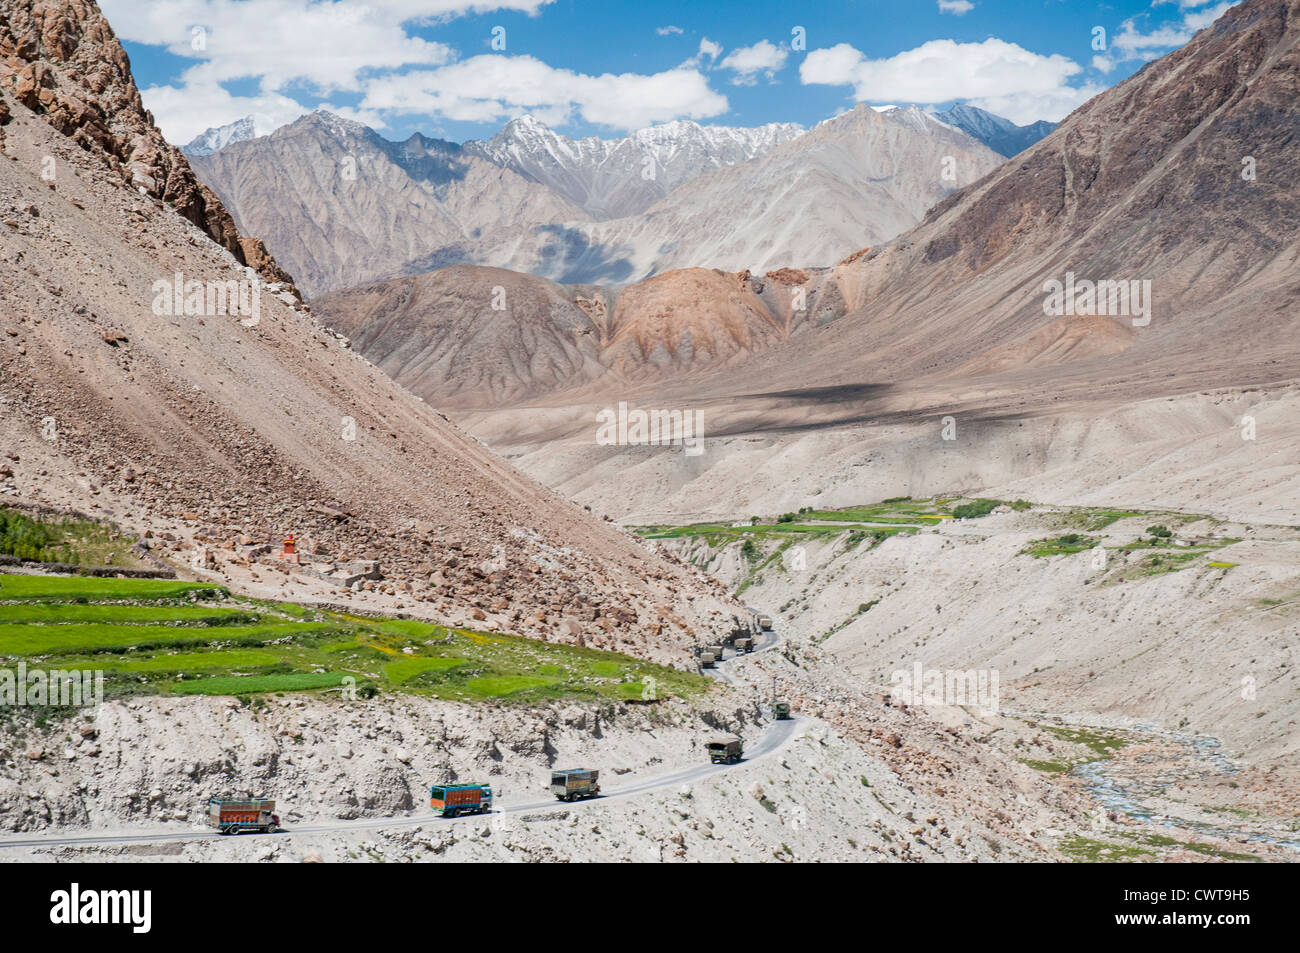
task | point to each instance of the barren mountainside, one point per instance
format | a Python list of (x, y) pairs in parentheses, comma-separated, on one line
[(205, 429), (344, 206)]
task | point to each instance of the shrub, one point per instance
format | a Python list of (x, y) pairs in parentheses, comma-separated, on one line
[(975, 508)]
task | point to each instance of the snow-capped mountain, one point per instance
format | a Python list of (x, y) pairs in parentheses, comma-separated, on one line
[(1001, 135), (613, 178), (852, 181), (218, 137)]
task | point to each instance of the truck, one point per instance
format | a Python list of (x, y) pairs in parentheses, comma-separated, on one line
[(449, 800), (764, 622), (235, 815), (725, 750), (780, 710), (708, 660), (717, 651), (745, 646), (570, 784)]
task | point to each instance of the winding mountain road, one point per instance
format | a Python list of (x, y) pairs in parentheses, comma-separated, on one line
[(774, 738)]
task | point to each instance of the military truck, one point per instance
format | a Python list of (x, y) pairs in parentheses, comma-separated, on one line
[(745, 646), (573, 783), (717, 651), (235, 815), (725, 750), (780, 710), (708, 660), (764, 622), (449, 800)]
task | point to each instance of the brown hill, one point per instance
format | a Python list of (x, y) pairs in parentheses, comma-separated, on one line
[(469, 337)]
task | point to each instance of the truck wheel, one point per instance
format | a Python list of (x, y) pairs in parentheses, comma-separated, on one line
[(449, 812)]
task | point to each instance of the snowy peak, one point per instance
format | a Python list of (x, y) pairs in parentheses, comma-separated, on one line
[(1001, 135), (218, 137), (612, 178), (241, 130)]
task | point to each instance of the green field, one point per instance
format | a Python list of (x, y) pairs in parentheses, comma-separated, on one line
[(16, 588), (159, 637), (64, 539)]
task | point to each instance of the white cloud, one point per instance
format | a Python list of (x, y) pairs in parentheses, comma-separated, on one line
[(957, 7), (195, 108), (1103, 64), (669, 30), (748, 62), (1131, 43), (491, 88), (1025, 86), (705, 57), (360, 47)]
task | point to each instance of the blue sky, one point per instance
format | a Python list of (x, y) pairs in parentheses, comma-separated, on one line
[(460, 69)]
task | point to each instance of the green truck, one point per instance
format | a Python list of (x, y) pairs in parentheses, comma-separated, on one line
[(708, 660), (449, 800), (571, 784), (781, 710), (725, 750), (744, 645)]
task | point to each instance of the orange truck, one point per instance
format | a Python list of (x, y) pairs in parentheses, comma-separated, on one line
[(452, 799), (233, 815)]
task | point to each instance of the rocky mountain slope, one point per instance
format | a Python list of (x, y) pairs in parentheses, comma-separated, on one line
[(225, 426), (63, 62), (342, 205), (514, 201), (852, 181), (468, 337)]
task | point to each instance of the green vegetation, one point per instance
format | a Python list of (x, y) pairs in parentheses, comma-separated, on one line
[(975, 509), (1130, 846), (43, 612), (14, 588), (1065, 545), (160, 637), (1101, 744), (57, 539), (1089, 851)]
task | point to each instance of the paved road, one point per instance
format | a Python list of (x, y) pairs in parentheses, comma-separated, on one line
[(774, 738)]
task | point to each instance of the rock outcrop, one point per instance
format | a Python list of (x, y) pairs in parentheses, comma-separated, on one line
[(63, 62)]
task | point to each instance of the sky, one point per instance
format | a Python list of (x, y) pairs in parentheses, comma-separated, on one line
[(460, 69)]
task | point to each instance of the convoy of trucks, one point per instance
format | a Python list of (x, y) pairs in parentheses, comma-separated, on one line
[(235, 815)]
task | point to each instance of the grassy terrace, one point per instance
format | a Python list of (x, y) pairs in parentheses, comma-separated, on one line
[(159, 637), (64, 540), (899, 515)]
